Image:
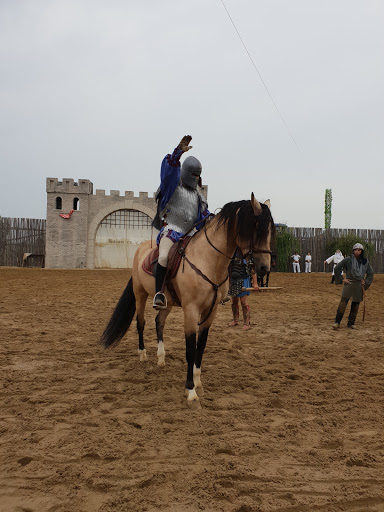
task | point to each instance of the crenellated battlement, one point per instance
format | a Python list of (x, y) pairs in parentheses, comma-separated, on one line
[(69, 186), (76, 234), (128, 194), (82, 186)]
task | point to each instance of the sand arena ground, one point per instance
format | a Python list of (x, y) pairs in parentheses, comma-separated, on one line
[(291, 419)]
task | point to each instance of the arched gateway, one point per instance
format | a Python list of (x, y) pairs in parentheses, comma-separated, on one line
[(114, 236)]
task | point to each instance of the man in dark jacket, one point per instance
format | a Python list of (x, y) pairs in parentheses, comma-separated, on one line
[(358, 278)]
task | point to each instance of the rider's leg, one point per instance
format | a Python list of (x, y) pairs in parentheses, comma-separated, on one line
[(159, 300)]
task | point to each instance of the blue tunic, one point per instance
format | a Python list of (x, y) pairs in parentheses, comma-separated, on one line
[(170, 179)]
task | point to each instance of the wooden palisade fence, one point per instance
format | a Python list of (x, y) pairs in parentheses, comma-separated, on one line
[(19, 237), (318, 240)]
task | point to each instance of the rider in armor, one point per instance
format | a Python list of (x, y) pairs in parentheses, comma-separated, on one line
[(180, 208)]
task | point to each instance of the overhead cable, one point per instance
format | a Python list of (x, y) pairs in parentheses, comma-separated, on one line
[(265, 85)]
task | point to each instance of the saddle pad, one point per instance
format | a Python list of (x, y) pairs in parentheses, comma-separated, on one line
[(175, 254), (150, 261)]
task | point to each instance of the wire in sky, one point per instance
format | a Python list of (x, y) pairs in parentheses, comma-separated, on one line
[(265, 86)]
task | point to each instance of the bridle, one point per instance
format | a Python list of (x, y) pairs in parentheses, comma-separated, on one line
[(249, 253), (214, 285)]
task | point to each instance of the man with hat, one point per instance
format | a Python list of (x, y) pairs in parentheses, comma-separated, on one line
[(358, 278), (181, 208)]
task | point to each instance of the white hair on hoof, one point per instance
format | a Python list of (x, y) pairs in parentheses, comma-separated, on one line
[(196, 380), (143, 355), (160, 354), (191, 395)]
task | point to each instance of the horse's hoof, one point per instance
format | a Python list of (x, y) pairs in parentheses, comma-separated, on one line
[(191, 395), (143, 355), (161, 361), (199, 391)]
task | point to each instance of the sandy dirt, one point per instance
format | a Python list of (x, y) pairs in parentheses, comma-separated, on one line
[(291, 419)]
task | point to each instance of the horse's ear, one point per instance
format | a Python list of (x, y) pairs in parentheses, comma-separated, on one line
[(256, 206), (268, 203)]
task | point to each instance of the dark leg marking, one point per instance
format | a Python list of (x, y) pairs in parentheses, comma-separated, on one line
[(140, 330), (190, 352), (201, 344)]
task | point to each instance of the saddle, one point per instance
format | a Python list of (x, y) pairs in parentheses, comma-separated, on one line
[(176, 253)]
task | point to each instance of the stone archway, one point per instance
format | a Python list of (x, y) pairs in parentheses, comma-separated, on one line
[(105, 212)]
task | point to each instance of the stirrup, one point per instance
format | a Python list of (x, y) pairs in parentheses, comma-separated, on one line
[(160, 301)]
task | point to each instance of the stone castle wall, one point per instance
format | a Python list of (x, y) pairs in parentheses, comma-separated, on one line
[(70, 243)]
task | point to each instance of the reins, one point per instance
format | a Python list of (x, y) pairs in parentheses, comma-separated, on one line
[(214, 285), (251, 251)]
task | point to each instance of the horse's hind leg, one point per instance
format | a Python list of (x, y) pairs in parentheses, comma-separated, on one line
[(160, 322), (141, 299)]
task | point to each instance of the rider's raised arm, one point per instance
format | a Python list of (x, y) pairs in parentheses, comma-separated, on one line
[(170, 166)]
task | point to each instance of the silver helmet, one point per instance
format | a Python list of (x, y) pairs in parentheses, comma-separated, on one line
[(191, 171)]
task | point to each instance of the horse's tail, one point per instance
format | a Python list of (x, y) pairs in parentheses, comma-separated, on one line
[(121, 318)]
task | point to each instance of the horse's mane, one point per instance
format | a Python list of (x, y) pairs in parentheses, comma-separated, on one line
[(252, 229)]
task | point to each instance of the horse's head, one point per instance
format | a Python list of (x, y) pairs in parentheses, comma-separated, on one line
[(256, 238), (250, 226)]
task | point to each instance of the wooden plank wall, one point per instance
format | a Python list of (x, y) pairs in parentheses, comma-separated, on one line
[(20, 236), (316, 240)]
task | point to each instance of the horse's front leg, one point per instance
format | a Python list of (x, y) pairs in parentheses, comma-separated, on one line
[(190, 322), (160, 322), (190, 391), (201, 344)]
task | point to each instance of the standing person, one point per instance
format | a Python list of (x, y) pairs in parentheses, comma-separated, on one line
[(335, 258), (240, 277), (308, 262), (180, 206), (296, 259), (358, 278)]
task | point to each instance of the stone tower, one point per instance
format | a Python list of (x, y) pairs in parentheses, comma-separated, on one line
[(66, 242)]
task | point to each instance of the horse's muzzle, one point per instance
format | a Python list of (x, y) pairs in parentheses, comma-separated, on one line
[(262, 270)]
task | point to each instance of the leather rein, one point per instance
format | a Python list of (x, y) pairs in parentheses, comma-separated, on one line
[(214, 285)]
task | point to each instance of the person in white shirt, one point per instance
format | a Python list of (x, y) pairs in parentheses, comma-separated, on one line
[(308, 262), (335, 259), (296, 265)]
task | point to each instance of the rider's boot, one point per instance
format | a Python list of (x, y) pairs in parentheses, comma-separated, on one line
[(160, 300), (235, 311), (246, 316)]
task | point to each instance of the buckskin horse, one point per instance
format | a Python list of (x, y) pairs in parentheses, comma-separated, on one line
[(266, 274), (200, 283)]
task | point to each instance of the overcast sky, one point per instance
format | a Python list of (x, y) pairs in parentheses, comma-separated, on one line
[(102, 90)]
